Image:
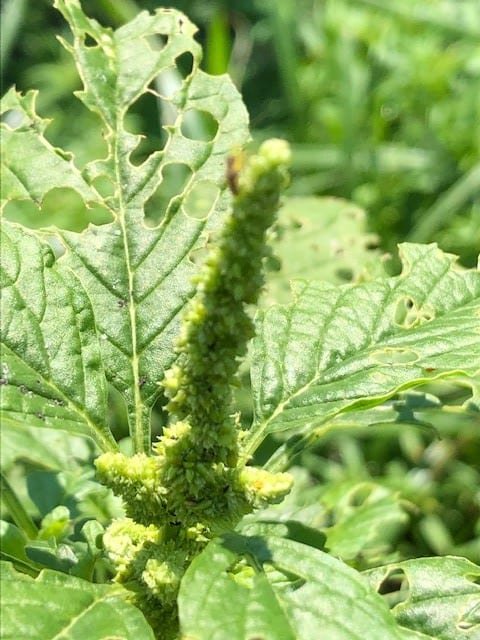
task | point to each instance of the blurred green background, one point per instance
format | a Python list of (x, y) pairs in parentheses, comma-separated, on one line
[(380, 100)]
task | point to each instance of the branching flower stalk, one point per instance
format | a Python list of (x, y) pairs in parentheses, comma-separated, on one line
[(195, 486)]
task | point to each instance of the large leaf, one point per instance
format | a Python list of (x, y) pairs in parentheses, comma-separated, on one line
[(55, 605), (439, 597), (337, 349), (138, 277), (278, 589), (52, 373)]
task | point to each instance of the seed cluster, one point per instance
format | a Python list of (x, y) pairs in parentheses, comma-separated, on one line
[(193, 487)]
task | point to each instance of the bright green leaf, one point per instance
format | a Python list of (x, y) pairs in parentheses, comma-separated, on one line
[(278, 589), (439, 597), (52, 373), (337, 349), (59, 606)]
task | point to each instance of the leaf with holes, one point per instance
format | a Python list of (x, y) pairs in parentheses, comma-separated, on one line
[(439, 597), (55, 605), (338, 349), (278, 589), (320, 239), (138, 278)]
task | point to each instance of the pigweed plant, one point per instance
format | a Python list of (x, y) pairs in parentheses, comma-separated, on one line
[(162, 314)]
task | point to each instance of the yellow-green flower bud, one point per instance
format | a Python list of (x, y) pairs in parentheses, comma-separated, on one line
[(263, 487)]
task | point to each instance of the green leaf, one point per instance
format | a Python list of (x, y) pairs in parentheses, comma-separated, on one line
[(52, 373), (44, 448), (337, 349), (368, 521), (278, 589), (31, 166), (439, 597), (56, 605), (359, 522), (12, 547), (139, 278), (319, 239)]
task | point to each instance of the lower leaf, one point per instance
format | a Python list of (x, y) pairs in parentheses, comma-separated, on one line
[(57, 605), (243, 588), (439, 597)]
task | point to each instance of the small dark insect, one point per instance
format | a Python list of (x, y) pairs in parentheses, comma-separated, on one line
[(141, 382), (121, 304), (429, 369), (234, 166)]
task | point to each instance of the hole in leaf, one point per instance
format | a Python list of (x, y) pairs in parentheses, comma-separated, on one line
[(394, 587), (144, 119), (175, 177), (200, 199), (61, 207), (167, 83), (90, 41), (199, 125), (104, 186), (184, 63), (13, 118), (156, 42), (408, 314)]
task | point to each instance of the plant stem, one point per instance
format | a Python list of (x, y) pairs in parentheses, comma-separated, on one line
[(12, 16), (218, 44)]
